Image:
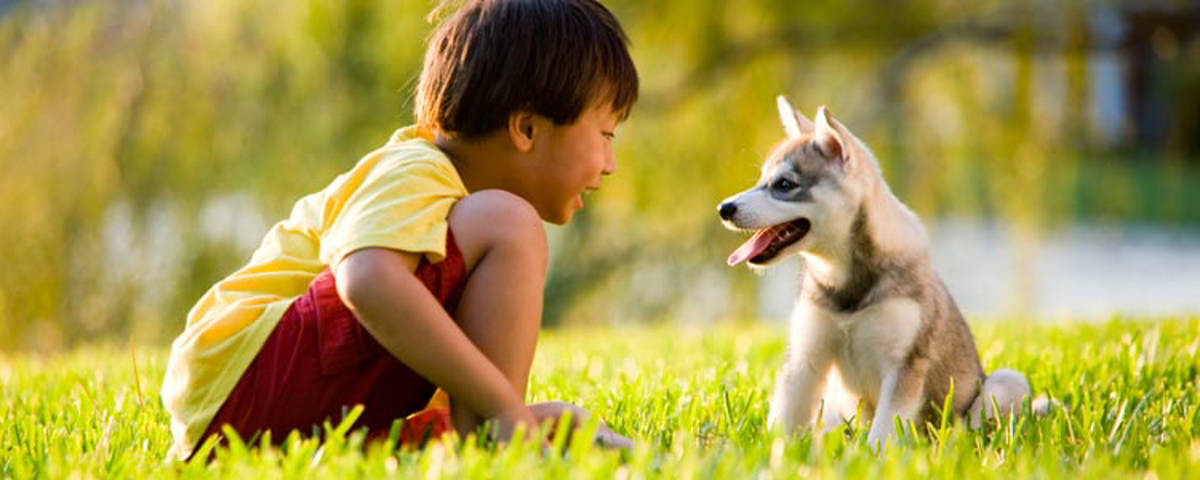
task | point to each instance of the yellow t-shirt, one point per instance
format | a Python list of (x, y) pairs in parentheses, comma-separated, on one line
[(398, 197)]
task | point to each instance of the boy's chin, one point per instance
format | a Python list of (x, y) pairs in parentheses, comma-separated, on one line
[(562, 218), (556, 216)]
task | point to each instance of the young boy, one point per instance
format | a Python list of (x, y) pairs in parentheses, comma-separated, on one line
[(424, 264)]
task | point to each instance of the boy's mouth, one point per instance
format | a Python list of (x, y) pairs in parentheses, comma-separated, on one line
[(768, 242), (584, 193)]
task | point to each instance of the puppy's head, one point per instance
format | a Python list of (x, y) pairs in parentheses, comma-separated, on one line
[(806, 197)]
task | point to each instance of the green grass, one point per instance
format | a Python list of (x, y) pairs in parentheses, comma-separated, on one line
[(694, 399)]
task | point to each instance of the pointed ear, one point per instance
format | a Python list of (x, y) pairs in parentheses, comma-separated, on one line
[(521, 126), (826, 138), (793, 122)]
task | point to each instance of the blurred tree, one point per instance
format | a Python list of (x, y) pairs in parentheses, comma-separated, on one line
[(146, 145)]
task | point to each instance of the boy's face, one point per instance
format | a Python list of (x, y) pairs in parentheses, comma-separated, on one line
[(572, 161)]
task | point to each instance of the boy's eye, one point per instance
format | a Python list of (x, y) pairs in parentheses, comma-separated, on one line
[(783, 185), (608, 135)]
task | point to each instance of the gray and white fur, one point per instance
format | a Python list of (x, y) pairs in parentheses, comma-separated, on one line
[(873, 322)]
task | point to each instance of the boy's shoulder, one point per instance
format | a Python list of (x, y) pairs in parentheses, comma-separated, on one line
[(413, 144), (411, 150), (411, 161)]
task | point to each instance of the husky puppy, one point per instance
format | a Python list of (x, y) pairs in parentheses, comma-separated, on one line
[(873, 322)]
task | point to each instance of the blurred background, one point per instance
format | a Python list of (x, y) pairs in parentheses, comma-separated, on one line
[(1051, 147)]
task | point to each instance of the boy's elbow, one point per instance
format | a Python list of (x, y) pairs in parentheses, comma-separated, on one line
[(361, 275)]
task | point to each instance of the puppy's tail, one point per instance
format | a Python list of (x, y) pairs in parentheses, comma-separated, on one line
[(1004, 389)]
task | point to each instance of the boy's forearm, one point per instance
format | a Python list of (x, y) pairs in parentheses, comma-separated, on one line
[(379, 287)]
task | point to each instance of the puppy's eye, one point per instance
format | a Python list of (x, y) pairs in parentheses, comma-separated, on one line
[(783, 185)]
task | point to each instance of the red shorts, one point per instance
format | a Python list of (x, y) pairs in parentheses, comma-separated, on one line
[(320, 361)]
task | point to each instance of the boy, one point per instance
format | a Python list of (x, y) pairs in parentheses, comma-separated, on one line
[(423, 265)]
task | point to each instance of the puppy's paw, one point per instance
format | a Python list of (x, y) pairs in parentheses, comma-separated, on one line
[(1042, 405)]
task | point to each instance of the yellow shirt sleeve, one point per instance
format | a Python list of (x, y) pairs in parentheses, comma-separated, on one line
[(398, 205)]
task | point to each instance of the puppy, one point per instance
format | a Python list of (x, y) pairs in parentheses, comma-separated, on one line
[(873, 322)]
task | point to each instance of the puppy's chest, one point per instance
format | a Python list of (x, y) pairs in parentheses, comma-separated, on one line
[(871, 342)]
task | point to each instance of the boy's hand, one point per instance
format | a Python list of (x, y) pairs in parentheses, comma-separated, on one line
[(552, 411), (504, 426)]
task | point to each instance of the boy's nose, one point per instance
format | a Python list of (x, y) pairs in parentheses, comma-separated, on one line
[(611, 166), (727, 210)]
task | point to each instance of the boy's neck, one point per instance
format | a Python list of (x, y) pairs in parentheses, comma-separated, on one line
[(484, 163)]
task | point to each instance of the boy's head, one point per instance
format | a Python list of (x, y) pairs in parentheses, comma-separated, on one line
[(553, 75), (554, 58)]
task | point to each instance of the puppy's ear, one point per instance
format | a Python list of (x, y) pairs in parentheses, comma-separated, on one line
[(793, 122), (826, 138)]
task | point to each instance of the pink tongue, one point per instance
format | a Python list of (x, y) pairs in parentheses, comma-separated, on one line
[(754, 246)]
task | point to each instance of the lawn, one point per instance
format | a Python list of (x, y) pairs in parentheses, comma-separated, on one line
[(693, 398)]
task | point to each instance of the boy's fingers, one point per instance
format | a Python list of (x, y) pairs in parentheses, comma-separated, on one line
[(606, 437), (505, 425), (552, 411)]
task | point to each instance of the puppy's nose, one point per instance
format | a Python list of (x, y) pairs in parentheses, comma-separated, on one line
[(727, 210)]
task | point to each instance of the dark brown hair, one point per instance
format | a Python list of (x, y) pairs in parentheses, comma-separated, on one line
[(554, 58)]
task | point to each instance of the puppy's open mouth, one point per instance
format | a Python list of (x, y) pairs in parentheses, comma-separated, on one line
[(768, 242)]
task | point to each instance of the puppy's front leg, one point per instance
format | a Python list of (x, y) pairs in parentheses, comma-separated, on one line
[(900, 395), (802, 378)]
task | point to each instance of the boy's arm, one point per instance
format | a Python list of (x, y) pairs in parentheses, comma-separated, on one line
[(378, 285)]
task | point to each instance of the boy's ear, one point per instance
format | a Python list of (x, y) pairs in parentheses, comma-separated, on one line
[(794, 123), (521, 130), (826, 138)]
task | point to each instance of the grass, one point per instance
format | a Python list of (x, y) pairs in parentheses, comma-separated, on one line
[(694, 399)]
